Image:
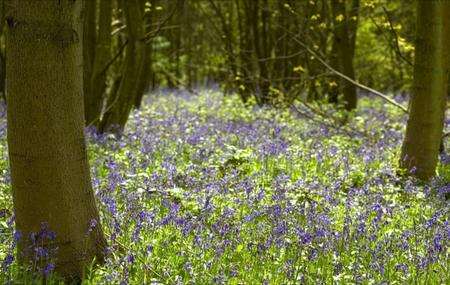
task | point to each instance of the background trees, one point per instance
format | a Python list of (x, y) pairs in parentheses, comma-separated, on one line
[(120, 103), (258, 49)]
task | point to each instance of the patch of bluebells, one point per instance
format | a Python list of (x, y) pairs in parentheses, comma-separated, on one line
[(200, 189), (41, 252)]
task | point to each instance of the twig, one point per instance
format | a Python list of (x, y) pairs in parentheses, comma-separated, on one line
[(152, 34), (333, 125), (116, 56)]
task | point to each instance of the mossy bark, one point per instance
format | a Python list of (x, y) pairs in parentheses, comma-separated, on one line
[(427, 106), (47, 150)]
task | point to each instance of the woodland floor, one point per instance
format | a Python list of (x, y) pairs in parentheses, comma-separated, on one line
[(201, 189)]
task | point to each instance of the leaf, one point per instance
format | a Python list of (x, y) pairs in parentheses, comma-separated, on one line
[(299, 69), (340, 18)]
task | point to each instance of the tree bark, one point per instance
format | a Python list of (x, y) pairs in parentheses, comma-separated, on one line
[(245, 55), (427, 106), (94, 100), (120, 106), (89, 38), (146, 74), (227, 38), (332, 88), (48, 160), (353, 16), (2, 52), (253, 14), (345, 55)]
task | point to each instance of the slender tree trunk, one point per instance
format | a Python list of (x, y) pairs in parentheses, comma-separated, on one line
[(244, 85), (89, 34), (281, 48), (96, 95), (265, 51), (253, 16), (353, 16), (119, 106), (427, 106), (342, 38), (333, 90), (49, 166), (146, 74), (227, 38)]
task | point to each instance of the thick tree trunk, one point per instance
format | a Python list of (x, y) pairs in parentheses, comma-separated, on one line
[(89, 38), (427, 107), (49, 166), (94, 100), (344, 51), (120, 106)]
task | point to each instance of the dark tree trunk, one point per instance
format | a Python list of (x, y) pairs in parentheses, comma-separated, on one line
[(89, 38), (344, 51), (96, 95), (245, 66), (146, 75), (120, 105), (258, 46)]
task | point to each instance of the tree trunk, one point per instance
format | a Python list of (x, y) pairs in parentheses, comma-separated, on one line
[(94, 100), (146, 74), (265, 81), (48, 160), (332, 88), (427, 106), (227, 39), (89, 38), (119, 106), (343, 45), (245, 67), (258, 45), (353, 16), (2, 52)]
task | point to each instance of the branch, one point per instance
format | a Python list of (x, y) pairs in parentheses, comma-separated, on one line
[(111, 61), (394, 33), (153, 34), (371, 90)]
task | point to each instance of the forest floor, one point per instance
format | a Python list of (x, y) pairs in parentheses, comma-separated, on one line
[(201, 190)]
